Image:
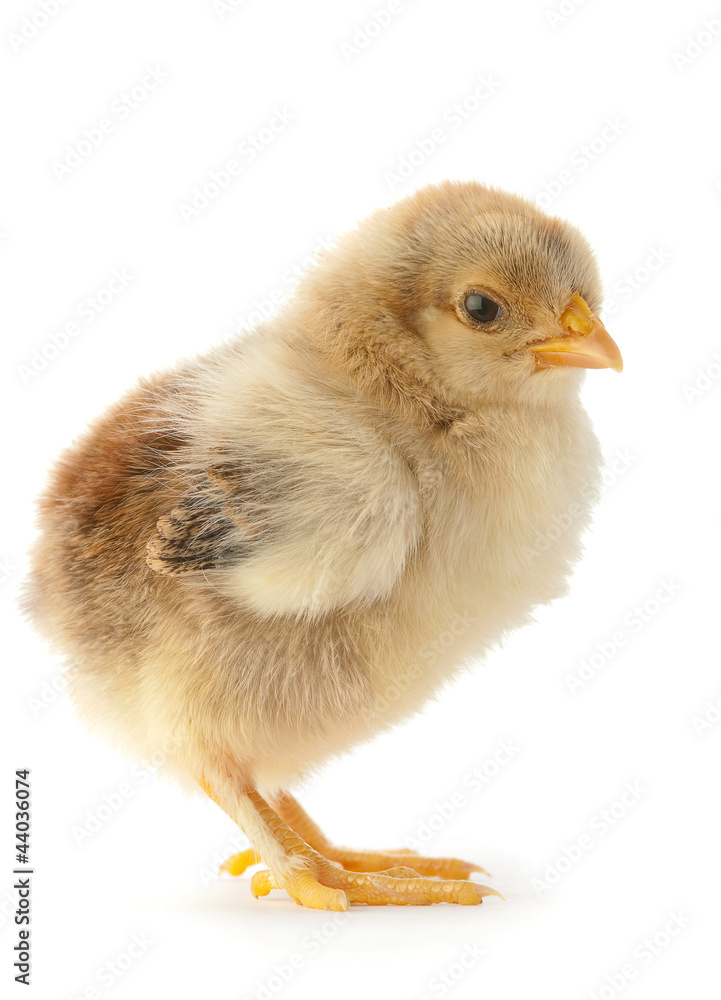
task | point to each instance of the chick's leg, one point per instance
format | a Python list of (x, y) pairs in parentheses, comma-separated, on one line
[(298, 820), (314, 881)]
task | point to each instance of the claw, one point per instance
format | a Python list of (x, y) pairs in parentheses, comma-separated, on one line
[(260, 884)]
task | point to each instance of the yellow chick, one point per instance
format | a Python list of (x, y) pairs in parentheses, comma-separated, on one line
[(249, 559)]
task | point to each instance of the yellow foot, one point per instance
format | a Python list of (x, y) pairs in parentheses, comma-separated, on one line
[(323, 885), (313, 880), (370, 861)]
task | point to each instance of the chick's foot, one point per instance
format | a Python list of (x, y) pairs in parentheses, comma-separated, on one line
[(323, 885), (298, 820), (314, 881)]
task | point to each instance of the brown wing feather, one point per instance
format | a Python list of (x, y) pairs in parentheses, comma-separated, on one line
[(212, 527)]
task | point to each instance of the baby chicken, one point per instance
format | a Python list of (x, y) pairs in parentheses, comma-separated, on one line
[(249, 560)]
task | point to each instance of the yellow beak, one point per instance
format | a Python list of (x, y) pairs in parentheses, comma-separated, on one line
[(584, 343)]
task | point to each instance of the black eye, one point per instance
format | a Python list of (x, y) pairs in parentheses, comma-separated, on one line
[(481, 308)]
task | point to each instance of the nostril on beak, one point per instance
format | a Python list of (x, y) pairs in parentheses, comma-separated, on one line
[(577, 318)]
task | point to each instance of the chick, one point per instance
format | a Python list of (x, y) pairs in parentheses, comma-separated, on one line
[(249, 560)]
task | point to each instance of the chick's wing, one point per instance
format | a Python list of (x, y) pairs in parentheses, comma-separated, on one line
[(211, 527), (294, 531)]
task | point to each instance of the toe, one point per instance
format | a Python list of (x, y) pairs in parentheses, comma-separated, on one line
[(237, 864), (403, 886), (448, 868), (308, 891), (260, 884), (377, 861)]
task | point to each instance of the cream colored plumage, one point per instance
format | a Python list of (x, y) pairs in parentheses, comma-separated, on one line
[(249, 560)]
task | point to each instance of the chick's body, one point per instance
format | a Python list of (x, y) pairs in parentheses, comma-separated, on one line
[(281, 548)]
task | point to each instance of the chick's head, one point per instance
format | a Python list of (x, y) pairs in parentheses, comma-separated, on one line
[(498, 298)]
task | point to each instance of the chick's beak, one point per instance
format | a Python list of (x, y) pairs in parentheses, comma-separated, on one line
[(584, 342)]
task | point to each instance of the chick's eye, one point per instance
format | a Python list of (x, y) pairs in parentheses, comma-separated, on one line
[(481, 308)]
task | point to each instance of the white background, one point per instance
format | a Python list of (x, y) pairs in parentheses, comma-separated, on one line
[(651, 193)]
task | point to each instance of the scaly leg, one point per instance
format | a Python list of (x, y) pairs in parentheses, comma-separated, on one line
[(314, 881)]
